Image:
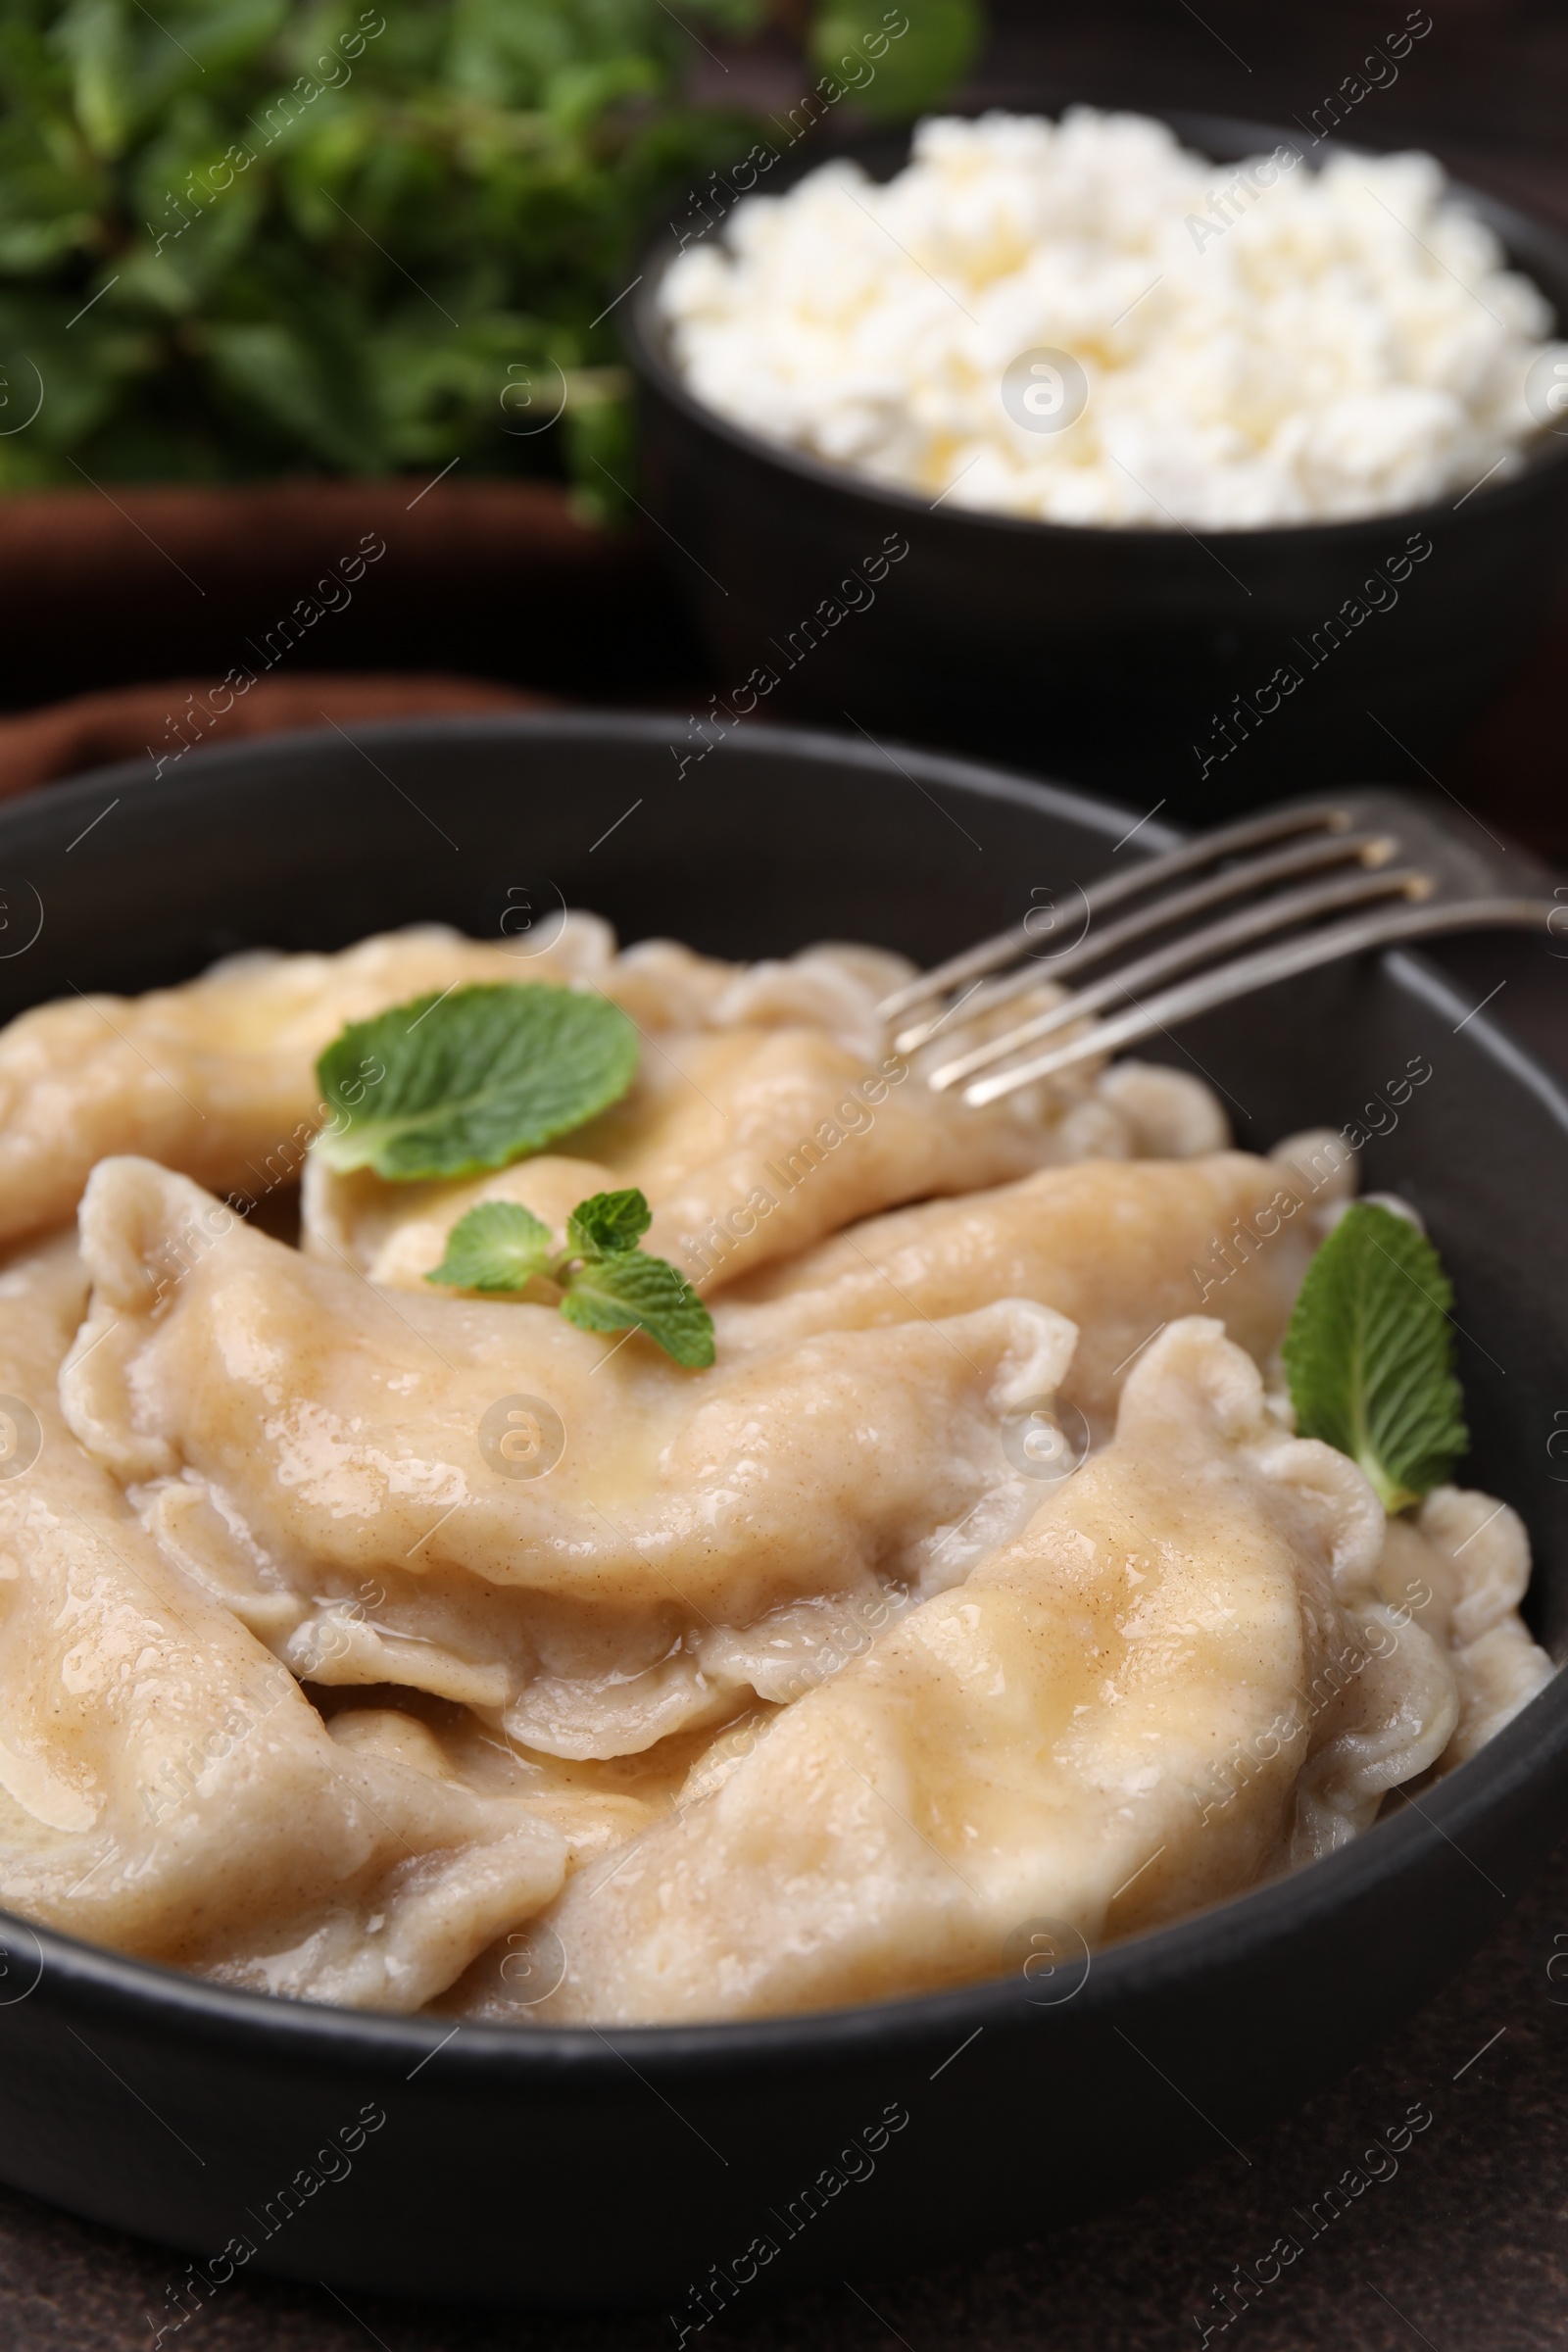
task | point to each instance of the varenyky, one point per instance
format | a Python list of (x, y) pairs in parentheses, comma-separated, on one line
[(806, 1529)]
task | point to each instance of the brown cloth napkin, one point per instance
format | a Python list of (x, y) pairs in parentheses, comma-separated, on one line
[(91, 730), (105, 586)]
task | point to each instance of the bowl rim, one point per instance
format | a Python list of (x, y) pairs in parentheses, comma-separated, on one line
[(645, 341), (118, 1988)]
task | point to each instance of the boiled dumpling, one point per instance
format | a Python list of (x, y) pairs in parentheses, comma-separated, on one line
[(754, 1138), (1049, 1740), (165, 1788), (216, 1077), (1121, 1249), (777, 1066), (304, 1433)]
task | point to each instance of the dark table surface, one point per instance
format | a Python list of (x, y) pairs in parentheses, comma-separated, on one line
[(1466, 2248)]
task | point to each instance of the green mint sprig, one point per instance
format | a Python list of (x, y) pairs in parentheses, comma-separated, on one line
[(1369, 1355), (471, 1079), (604, 1281)]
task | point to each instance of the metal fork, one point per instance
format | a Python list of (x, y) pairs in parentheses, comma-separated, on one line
[(1293, 869)]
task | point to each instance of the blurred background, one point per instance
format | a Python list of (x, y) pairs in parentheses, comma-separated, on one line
[(1488, 96), (309, 355)]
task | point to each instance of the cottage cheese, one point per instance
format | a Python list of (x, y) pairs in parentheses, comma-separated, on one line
[(1264, 343)]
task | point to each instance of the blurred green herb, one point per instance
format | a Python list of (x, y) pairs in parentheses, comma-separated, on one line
[(911, 70), (240, 238)]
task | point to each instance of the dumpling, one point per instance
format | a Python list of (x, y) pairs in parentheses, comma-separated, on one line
[(753, 1141), (749, 1143), (1121, 1249), (218, 1077), (165, 1787), (766, 1111), (299, 1438), (1060, 1738)]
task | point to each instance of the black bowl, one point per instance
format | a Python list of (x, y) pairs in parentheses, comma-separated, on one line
[(1122, 650), (574, 2167)]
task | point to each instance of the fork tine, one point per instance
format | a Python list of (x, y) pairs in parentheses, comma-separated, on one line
[(1257, 873), (1199, 947), (1248, 973), (1250, 833)]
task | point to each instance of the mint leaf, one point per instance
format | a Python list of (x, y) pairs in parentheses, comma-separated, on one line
[(453, 1084), (607, 1283), (1369, 1355), (608, 1224), (500, 1246), (633, 1291)]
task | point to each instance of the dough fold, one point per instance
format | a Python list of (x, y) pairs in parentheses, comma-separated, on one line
[(1461, 1563)]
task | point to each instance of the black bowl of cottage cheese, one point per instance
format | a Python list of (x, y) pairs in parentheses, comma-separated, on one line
[(1065, 443)]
